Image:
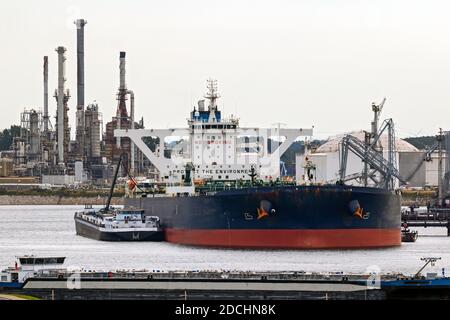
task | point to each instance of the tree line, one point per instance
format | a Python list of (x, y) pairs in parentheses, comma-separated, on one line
[(6, 137)]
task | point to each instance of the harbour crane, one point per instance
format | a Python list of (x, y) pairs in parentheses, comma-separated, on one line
[(427, 260)]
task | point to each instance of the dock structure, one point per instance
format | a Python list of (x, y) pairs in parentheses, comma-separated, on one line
[(434, 217)]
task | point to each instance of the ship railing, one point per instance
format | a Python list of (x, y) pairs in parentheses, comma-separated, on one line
[(221, 186), (235, 275), (211, 186)]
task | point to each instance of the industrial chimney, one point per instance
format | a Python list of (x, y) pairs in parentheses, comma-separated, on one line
[(62, 121), (121, 114), (123, 85), (80, 121), (46, 96)]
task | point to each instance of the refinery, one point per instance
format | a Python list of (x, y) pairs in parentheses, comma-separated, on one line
[(43, 148)]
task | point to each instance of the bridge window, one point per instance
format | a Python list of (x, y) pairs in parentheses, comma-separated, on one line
[(26, 261)]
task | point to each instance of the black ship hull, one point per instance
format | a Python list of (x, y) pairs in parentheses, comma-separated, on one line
[(294, 217), (91, 231)]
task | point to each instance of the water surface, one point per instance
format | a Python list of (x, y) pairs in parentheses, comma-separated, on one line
[(50, 230)]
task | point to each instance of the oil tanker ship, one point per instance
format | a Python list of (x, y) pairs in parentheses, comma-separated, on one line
[(220, 185)]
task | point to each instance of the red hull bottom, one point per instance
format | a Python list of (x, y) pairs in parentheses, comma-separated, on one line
[(287, 239)]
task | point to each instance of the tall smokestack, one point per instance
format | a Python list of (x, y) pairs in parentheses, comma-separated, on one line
[(61, 99), (80, 121), (123, 85), (80, 23), (122, 113), (46, 95)]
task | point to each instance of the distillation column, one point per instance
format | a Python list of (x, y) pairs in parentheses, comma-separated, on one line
[(62, 97), (46, 96)]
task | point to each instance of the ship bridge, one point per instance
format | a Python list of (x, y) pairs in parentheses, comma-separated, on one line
[(216, 148)]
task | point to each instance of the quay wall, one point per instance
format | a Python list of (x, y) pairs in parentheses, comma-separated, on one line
[(54, 200)]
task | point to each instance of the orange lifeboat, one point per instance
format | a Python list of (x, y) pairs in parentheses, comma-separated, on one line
[(199, 182), (131, 184)]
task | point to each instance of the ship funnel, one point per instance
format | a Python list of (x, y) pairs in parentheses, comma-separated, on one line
[(201, 105)]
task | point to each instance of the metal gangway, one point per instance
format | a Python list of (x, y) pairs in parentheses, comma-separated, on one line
[(372, 157)]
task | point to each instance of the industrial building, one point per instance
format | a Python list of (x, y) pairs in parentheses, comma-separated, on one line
[(116, 146), (375, 157), (418, 169), (47, 151)]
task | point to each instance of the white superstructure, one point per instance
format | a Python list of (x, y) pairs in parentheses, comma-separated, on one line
[(213, 147), (30, 266)]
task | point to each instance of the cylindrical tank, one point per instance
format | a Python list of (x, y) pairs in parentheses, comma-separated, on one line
[(95, 136), (35, 133), (92, 136)]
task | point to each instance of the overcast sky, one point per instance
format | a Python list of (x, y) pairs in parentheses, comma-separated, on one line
[(302, 63)]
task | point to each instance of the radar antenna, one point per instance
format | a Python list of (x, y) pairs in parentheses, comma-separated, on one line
[(212, 94)]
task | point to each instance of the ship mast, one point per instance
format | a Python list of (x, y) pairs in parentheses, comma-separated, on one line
[(111, 190), (212, 95)]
